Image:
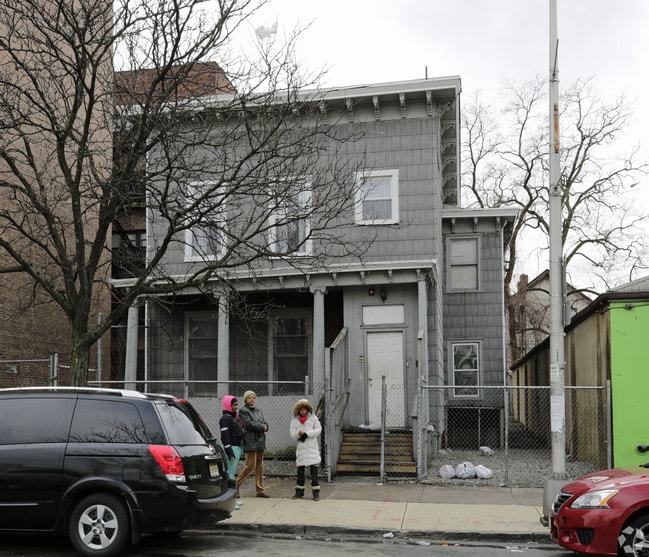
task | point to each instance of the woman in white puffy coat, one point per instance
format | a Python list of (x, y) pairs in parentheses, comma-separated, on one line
[(305, 428)]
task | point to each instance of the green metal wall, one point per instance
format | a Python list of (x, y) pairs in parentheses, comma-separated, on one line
[(629, 382)]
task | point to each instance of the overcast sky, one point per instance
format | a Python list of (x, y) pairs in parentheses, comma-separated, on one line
[(482, 41), (485, 42)]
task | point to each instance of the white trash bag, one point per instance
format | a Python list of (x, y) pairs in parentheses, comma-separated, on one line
[(486, 451), (483, 472), (447, 471), (465, 470)]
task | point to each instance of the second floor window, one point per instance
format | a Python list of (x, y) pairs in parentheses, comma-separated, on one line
[(205, 239), (463, 264), (378, 197), (289, 232)]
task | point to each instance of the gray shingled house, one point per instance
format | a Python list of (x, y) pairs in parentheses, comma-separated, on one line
[(424, 302)]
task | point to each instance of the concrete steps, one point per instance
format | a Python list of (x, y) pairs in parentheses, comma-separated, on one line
[(360, 453)]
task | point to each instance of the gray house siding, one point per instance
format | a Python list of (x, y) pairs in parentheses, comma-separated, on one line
[(478, 315), (405, 262), (408, 146)]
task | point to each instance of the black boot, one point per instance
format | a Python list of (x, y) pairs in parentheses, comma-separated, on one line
[(316, 494), (299, 493)]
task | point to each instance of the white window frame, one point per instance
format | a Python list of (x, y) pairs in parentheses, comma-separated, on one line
[(454, 262), (363, 195), (191, 252), (462, 389), (279, 211)]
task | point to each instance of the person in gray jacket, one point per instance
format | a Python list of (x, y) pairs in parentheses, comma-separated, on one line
[(305, 428), (254, 444)]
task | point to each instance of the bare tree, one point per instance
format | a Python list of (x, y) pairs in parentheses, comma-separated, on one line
[(82, 80), (506, 163)]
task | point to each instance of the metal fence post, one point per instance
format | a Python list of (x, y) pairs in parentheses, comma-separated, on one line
[(328, 431), (506, 433), (384, 397), (609, 425)]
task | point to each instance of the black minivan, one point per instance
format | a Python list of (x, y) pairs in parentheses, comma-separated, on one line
[(105, 466)]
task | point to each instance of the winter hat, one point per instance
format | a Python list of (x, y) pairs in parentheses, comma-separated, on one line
[(247, 394), (228, 401), (299, 404)]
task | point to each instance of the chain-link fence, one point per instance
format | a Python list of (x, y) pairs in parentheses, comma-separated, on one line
[(33, 371), (507, 430), (274, 399), (504, 429)]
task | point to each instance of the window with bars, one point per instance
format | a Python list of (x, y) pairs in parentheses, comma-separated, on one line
[(290, 349)]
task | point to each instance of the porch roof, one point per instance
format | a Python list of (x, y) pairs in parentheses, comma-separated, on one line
[(294, 277)]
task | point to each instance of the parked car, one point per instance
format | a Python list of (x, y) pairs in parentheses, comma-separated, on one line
[(105, 466), (604, 513)]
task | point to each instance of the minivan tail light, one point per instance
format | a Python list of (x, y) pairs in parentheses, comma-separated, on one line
[(170, 463)]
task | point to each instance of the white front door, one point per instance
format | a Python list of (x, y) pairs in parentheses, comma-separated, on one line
[(385, 357)]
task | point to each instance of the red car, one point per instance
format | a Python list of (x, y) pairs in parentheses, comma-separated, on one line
[(604, 513)]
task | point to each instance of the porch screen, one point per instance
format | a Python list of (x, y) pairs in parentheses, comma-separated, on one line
[(202, 352), (290, 353)]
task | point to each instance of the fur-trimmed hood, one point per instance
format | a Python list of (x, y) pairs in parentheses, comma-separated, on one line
[(299, 404)]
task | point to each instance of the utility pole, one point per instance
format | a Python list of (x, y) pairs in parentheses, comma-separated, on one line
[(557, 356)]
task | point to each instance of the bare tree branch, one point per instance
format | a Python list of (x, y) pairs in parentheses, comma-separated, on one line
[(604, 235)]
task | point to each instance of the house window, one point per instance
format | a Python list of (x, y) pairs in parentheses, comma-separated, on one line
[(378, 197), (201, 333), (463, 272), (290, 351), (465, 366), (204, 239), (290, 229)]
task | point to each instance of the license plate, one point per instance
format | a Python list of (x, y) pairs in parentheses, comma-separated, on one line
[(214, 470)]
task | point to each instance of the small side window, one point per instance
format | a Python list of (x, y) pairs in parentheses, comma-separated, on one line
[(35, 420), (99, 421), (463, 264)]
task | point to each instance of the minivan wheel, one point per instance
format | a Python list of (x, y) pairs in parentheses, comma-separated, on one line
[(99, 526)]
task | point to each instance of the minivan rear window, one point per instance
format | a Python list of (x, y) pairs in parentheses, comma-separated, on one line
[(99, 421), (179, 426), (35, 420)]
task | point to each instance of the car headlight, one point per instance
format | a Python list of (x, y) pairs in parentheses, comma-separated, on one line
[(594, 499)]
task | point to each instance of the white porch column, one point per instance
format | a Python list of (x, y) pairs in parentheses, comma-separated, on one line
[(223, 345), (132, 329), (318, 338)]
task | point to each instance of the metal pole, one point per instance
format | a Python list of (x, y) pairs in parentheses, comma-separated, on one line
[(557, 359), (99, 355), (384, 393)]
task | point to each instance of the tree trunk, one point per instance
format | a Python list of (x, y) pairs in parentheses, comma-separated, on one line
[(79, 361)]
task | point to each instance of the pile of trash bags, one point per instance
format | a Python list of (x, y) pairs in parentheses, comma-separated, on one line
[(468, 470)]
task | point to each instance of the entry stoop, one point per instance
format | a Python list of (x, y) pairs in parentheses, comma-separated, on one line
[(360, 454)]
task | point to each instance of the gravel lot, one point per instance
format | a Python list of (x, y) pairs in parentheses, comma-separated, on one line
[(517, 468)]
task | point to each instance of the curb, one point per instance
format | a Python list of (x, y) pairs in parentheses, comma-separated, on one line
[(369, 534)]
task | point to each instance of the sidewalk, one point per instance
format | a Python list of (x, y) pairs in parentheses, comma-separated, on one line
[(399, 509)]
